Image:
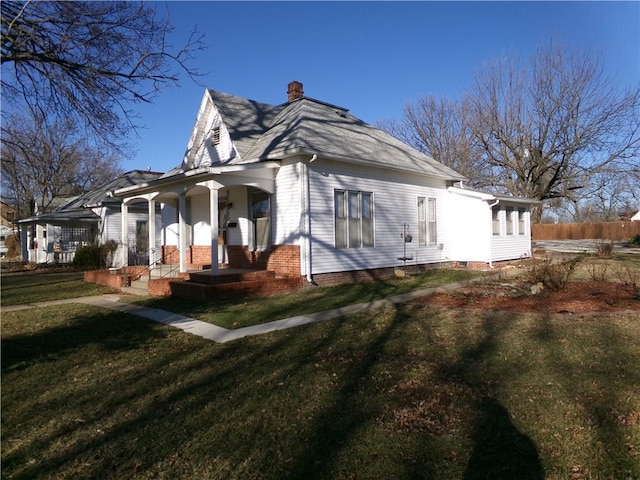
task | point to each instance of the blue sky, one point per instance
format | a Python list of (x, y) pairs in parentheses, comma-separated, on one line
[(369, 57)]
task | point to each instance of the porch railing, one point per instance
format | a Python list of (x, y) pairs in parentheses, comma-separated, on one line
[(167, 270)]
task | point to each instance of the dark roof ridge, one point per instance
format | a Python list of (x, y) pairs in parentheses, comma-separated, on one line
[(315, 100), (220, 92)]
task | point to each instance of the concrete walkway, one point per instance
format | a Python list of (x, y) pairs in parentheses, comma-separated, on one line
[(221, 335)]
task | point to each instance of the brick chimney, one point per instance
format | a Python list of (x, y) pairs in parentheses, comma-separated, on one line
[(294, 91)]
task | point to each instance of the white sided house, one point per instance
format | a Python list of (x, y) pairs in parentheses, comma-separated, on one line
[(90, 219), (308, 191)]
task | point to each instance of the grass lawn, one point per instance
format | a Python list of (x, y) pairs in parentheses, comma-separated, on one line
[(233, 313), (41, 286), (409, 392)]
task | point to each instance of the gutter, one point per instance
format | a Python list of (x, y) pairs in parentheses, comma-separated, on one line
[(306, 214), (491, 205)]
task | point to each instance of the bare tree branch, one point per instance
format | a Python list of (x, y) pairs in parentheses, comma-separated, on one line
[(89, 61), (46, 162), (544, 130)]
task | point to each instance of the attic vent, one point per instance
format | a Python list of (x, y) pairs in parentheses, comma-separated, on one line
[(215, 136)]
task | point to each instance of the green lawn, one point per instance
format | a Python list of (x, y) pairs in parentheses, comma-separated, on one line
[(409, 392), (234, 313), (41, 286)]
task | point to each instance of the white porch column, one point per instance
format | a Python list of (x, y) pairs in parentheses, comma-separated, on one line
[(182, 231), (124, 214), (152, 233), (214, 222)]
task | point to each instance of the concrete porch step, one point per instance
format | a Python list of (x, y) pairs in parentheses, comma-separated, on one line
[(138, 287), (134, 290)]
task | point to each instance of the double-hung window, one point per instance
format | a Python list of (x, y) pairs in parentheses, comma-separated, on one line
[(353, 212), (427, 223), (521, 221), (509, 219), (495, 219)]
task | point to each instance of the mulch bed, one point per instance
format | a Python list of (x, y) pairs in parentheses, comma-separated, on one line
[(579, 297)]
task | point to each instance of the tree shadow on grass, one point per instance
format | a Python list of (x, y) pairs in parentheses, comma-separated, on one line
[(500, 451), (85, 327)]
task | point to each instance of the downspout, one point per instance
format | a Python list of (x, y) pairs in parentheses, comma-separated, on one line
[(491, 232), (306, 206)]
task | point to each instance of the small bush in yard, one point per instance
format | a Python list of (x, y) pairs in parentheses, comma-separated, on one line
[(598, 271), (635, 241), (13, 246), (554, 275), (604, 248), (94, 257), (629, 279)]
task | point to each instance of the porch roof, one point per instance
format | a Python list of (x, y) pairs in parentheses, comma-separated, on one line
[(79, 215), (491, 197)]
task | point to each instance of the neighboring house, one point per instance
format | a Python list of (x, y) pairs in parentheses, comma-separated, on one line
[(92, 218), (7, 215), (636, 217), (306, 189)]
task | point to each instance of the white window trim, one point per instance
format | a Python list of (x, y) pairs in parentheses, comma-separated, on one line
[(347, 219)]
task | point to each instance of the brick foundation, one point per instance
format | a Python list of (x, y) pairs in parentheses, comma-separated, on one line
[(358, 276), (115, 278), (161, 287), (201, 292), (284, 260)]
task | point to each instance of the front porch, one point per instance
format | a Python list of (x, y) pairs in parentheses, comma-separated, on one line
[(199, 285)]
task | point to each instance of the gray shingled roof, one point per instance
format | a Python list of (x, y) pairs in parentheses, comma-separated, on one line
[(306, 126), (100, 195), (246, 120), (79, 209)]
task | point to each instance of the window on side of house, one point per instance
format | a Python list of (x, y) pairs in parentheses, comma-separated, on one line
[(521, 212), (340, 210), (427, 221), (509, 218), (422, 221), (495, 219), (353, 224), (431, 219), (367, 219), (353, 211)]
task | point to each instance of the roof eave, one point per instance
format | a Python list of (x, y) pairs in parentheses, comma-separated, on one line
[(345, 159), (202, 173)]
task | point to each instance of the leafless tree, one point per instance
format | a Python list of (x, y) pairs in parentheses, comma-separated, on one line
[(608, 197), (543, 130), (441, 128), (547, 129), (43, 163), (88, 61)]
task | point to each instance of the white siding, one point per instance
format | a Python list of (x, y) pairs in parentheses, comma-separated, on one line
[(395, 197), (200, 150), (112, 225), (200, 219), (468, 228), (239, 214), (169, 225), (286, 207)]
